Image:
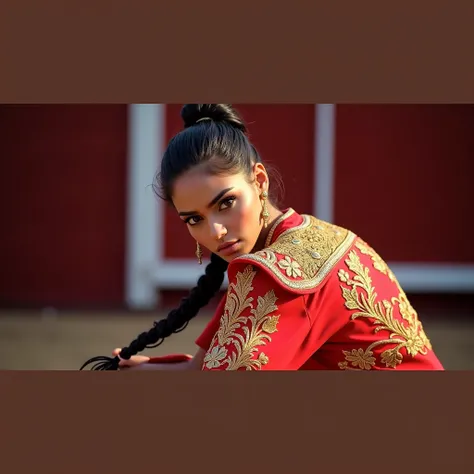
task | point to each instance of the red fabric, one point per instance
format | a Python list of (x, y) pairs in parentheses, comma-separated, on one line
[(170, 359), (357, 318)]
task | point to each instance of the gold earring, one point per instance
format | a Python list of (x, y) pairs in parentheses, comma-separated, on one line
[(265, 213), (199, 253)]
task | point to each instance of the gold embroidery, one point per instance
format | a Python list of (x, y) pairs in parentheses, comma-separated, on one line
[(255, 329), (407, 311), (284, 216), (303, 256), (379, 264), (291, 267), (236, 302), (364, 360), (411, 336), (213, 359)]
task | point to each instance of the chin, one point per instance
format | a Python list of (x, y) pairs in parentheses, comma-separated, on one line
[(243, 250), (229, 258), (234, 256)]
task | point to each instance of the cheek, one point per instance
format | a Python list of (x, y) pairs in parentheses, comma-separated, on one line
[(200, 232), (248, 213)]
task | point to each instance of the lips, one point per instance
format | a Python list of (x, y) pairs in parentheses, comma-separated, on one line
[(228, 247)]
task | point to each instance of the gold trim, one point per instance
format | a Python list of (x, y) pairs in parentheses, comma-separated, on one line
[(267, 259), (284, 216), (306, 223)]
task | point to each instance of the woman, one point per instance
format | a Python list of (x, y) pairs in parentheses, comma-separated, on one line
[(303, 294)]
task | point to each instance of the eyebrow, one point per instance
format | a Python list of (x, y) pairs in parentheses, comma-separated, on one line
[(192, 213)]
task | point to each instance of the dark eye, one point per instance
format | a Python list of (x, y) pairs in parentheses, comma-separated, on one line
[(193, 220), (227, 203)]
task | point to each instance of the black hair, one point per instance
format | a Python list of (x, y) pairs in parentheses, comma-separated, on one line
[(215, 135)]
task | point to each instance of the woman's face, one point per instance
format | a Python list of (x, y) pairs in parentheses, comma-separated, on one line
[(222, 212)]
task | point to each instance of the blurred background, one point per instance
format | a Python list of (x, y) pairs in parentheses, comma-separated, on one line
[(90, 257)]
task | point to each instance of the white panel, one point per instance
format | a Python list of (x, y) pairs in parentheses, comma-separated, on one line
[(324, 137), (146, 142), (182, 274)]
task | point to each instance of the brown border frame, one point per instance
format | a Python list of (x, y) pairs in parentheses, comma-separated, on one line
[(125, 52)]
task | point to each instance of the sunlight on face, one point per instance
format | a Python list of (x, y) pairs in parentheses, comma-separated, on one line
[(222, 212)]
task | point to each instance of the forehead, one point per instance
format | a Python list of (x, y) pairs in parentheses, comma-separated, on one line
[(196, 188)]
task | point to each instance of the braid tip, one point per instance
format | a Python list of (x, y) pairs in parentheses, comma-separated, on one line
[(102, 363)]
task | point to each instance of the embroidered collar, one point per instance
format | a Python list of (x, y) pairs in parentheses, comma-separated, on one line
[(281, 224)]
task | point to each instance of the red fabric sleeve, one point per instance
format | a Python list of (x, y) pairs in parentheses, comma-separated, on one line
[(264, 326)]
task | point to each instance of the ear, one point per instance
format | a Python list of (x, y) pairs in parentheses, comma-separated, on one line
[(261, 177)]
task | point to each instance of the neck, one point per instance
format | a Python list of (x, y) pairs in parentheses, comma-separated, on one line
[(274, 215)]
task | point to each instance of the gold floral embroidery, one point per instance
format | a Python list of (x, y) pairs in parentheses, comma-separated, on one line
[(301, 257), (343, 276), (255, 329), (364, 360), (291, 267), (213, 359), (410, 336), (236, 302), (379, 264), (270, 324), (407, 311)]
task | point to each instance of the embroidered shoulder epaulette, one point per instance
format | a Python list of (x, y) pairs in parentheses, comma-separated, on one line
[(302, 256)]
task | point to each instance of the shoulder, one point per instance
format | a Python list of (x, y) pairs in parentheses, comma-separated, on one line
[(300, 259)]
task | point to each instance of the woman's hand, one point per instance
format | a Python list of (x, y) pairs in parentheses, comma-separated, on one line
[(134, 361), (167, 362)]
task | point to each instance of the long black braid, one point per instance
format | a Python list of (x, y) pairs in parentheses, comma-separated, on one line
[(207, 287)]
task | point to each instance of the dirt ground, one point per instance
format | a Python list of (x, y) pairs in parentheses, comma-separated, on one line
[(50, 340)]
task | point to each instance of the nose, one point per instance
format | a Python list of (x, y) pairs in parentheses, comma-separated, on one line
[(218, 231)]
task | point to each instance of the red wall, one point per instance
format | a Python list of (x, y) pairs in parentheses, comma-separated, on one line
[(404, 179), (62, 204), (403, 182)]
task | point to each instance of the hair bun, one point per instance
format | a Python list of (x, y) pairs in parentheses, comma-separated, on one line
[(195, 113)]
